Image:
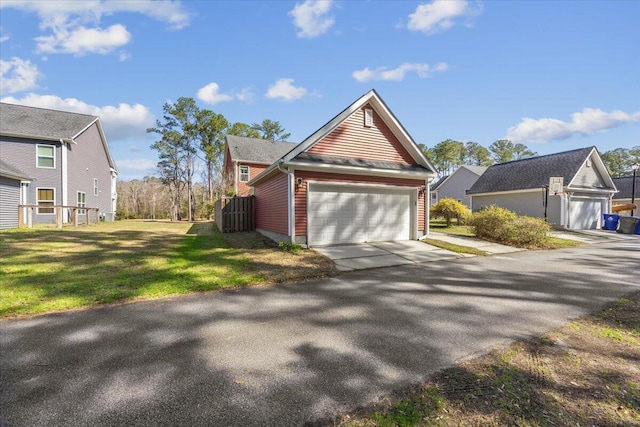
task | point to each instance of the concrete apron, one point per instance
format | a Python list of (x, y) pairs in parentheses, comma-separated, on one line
[(383, 254)]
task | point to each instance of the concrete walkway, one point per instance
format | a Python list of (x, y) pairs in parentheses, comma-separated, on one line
[(383, 254), (472, 242)]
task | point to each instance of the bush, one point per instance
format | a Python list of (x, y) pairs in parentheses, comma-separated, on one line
[(289, 247), (528, 232), (449, 209), (490, 222), (503, 226)]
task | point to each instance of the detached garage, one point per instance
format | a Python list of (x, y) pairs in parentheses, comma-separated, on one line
[(359, 178), (585, 193)]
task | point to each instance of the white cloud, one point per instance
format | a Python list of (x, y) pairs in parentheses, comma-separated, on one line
[(440, 15), (586, 122), (133, 167), (120, 122), (18, 75), (311, 17), (74, 26), (284, 88), (397, 74), (245, 94), (81, 40), (211, 94)]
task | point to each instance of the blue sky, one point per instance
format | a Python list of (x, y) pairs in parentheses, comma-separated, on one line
[(553, 75)]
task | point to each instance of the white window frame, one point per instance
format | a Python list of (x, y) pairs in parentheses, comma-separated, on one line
[(38, 200), (246, 174), (81, 204), (38, 156), (95, 186), (368, 117)]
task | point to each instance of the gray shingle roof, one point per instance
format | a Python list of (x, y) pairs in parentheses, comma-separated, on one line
[(624, 187), (8, 170), (257, 150), (533, 172), (40, 123), (347, 161)]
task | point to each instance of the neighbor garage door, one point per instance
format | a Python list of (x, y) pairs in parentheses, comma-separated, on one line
[(357, 214), (584, 214)]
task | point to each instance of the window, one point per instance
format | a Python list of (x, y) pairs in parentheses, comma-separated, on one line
[(46, 197), (244, 173), (82, 202), (95, 186), (368, 117), (46, 156)]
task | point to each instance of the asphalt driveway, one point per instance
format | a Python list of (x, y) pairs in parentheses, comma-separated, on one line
[(290, 354)]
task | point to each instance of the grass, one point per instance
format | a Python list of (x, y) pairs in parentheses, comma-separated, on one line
[(47, 270), (455, 248), (440, 225), (583, 374)]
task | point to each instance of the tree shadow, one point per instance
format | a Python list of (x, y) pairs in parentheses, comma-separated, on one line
[(297, 353)]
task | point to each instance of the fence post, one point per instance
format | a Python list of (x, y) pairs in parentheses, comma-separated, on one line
[(58, 210)]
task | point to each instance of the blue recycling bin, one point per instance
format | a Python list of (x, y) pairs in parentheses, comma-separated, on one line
[(638, 228), (611, 221)]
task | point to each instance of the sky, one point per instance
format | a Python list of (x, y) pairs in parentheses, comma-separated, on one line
[(552, 75)]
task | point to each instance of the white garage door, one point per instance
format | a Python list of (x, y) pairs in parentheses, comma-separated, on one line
[(585, 214), (353, 215)]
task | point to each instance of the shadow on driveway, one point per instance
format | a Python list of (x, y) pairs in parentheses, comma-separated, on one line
[(293, 354)]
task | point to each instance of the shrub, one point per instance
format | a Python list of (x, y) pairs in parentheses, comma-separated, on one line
[(490, 222), (525, 231), (289, 247), (503, 226), (449, 209)]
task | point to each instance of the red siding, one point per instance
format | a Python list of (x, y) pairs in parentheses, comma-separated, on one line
[(301, 192), (271, 204), (353, 139), (254, 170)]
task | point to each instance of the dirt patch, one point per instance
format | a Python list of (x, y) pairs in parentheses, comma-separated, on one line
[(585, 374), (277, 265)]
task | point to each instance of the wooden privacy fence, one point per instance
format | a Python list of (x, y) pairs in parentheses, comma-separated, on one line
[(236, 214), (25, 214)]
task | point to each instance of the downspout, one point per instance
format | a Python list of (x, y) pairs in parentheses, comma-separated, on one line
[(291, 210), (235, 177)]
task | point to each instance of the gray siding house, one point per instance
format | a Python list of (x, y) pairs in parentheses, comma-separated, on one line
[(455, 186), (519, 186), (62, 158)]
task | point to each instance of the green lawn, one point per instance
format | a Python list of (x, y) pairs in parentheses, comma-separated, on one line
[(45, 270), (440, 225)]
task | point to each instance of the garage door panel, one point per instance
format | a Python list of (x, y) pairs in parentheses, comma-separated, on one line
[(585, 214), (358, 215)]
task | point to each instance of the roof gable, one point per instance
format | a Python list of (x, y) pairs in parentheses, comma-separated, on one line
[(475, 170), (256, 150), (391, 123), (534, 172), (41, 123), (354, 139)]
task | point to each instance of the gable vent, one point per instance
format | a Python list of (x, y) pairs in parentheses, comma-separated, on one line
[(368, 117)]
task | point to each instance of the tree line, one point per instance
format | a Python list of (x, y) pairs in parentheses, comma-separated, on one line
[(190, 137), (191, 143), (449, 154)]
